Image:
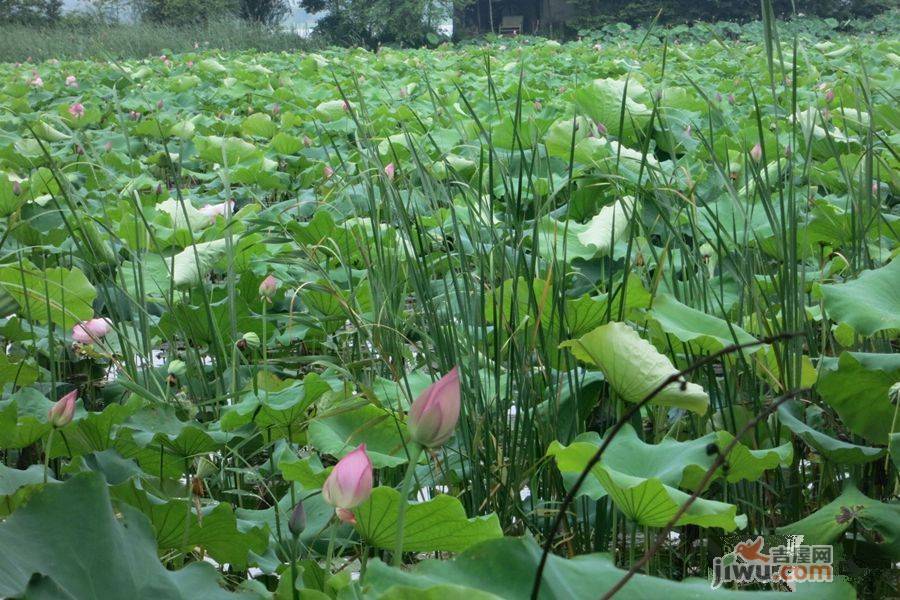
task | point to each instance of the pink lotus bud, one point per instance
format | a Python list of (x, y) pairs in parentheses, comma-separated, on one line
[(306, 141), (17, 188), (92, 330), (756, 153), (434, 414), (159, 104), (390, 170), (730, 98), (718, 97), (268, 287), (601, 129), (216, 210), (71, 81), (77, 110), (62, 411), (403, 92), (350, 482), (108, 146), (688, 130), (829, 96), (328, 172), (346, 105), (538, 106), (788, 152), (276, 109)]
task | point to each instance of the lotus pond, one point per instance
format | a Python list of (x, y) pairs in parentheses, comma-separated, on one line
[(629, 303)]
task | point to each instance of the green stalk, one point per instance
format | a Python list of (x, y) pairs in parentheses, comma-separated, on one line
[(47, 453), (415, 451)]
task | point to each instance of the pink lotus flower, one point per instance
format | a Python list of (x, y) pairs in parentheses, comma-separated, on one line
[(268, 287), (36, 81), (350, 482), (92, 330), (77, 110), (390, 170), (328, 172), (756, 153), (216, 210), (829, 96), (434, 414), (71, 81), (730, 98), (62, 411)]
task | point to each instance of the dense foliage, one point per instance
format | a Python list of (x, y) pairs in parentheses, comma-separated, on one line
[(221, 273)]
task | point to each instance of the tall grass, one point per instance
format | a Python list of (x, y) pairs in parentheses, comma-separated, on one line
[(122, 41)]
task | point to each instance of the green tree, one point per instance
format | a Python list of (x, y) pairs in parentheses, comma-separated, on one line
[(30, 12), (374, 22), (264, 12), (176, 12)]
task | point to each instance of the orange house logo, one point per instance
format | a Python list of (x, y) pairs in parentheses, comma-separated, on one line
[(787, 564)]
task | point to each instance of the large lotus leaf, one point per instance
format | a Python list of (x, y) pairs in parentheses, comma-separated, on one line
[(675, 463), (23, 418), (633, 367), (504, 569), (194, 262), (648, 502), (562, 240), (691, 326), (603, 100), (856, 385), (344, 428), (878, 522), (70, 536), (158, 425), (93, 431), (560, 136), (61, 296), (835, 450), (231, 151), (605, 228), (184, 215), (279, 412), (179, 527), (870, 303), (16, 485), (439, 524)]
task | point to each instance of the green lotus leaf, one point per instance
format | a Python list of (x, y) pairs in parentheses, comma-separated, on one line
[(439, 524), (856, 385), (835, 450), (58, 295), (633, 367), (870, 303), (878, 522), (101, 554), (342, 429), (504, 569)]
